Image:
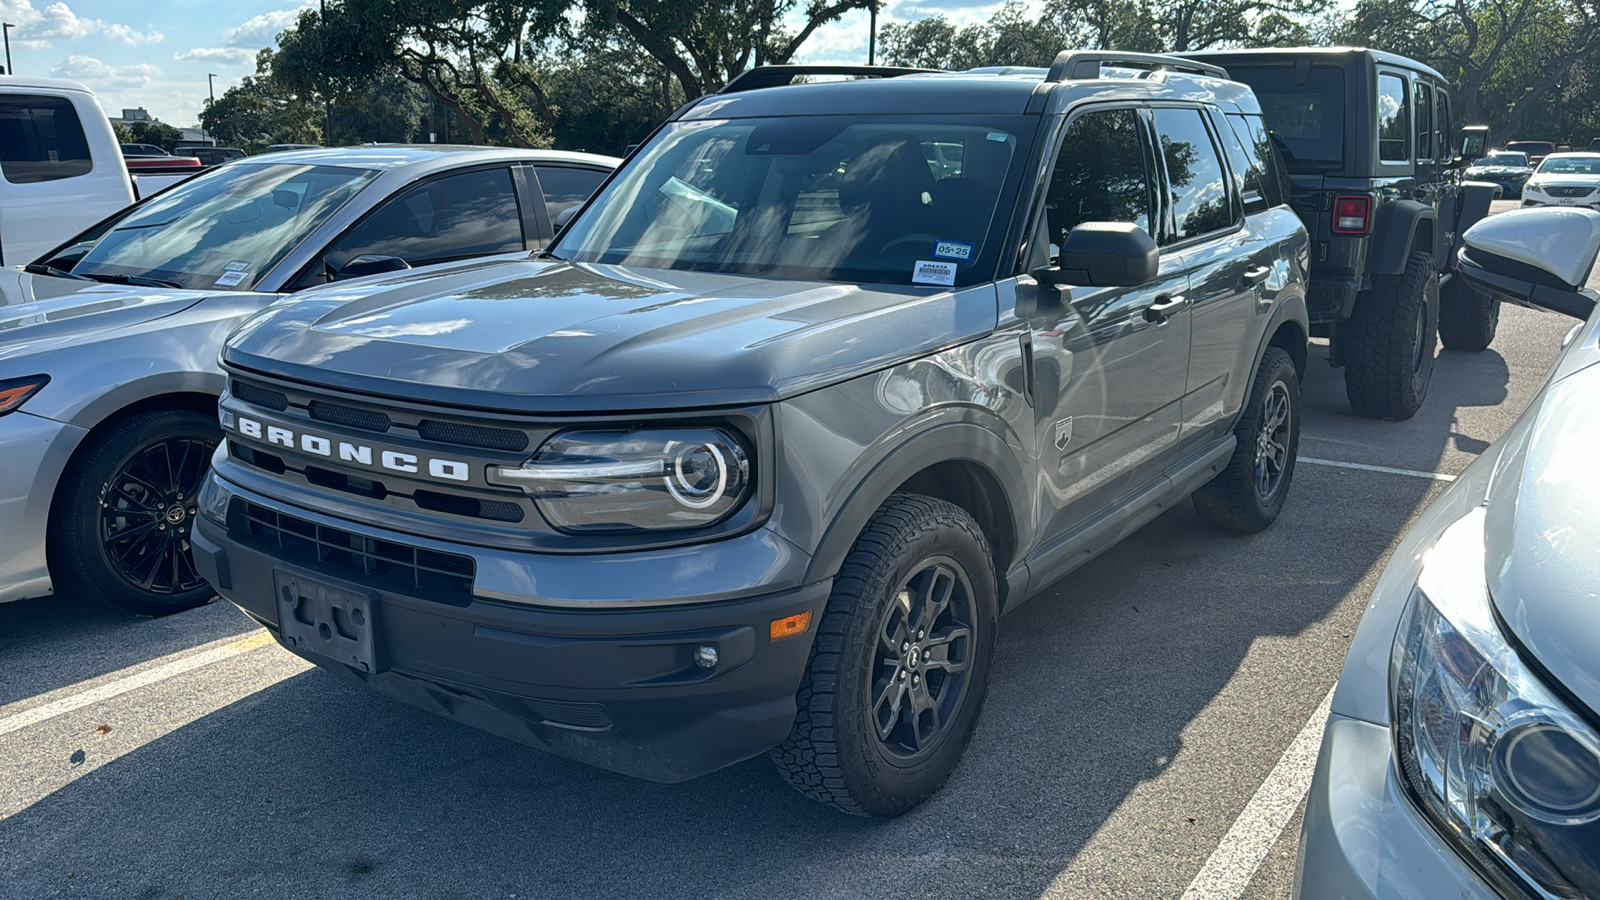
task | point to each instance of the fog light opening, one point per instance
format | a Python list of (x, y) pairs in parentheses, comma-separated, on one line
[(705, 656)]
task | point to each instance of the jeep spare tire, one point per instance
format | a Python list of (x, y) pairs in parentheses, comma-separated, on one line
[(1390, 340)]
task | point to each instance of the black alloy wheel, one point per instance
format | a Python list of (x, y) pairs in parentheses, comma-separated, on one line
[(1249, 493), (922, 668), (147, 510), (1272, 442)]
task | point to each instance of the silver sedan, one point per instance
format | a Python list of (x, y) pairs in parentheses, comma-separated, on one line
[(108, 345)]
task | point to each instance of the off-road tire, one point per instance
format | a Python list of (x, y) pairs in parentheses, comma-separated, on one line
[(81, 564), (834, 754), (1467, 319), (1389, 342), (1268, 430)]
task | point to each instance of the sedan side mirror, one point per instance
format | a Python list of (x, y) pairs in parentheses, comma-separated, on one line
[(565, 216), (371, 264), (1535, 257), (1104, 254)]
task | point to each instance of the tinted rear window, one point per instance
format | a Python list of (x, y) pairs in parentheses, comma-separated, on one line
[(41, 139), (1307, 119)]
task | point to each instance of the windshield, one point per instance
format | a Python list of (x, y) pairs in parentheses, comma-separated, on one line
[(1570, 165), (1306, 119), (1504, 159), (889, 200), (1539, 147), (225, 229)]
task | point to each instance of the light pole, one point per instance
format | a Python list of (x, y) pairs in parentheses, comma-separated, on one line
[(327, 102), (872, 32), (211, 85), (7, 29)]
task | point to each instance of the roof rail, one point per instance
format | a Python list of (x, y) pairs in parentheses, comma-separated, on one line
[(778, 76), (1073, 65)]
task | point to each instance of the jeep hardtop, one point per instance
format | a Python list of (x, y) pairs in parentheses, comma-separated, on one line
[(1372, 154), (823, 380)]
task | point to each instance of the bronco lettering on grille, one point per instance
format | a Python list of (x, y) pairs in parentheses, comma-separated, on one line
[(345, 451)]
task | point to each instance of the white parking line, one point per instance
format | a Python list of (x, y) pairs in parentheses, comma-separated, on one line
[(184, 663), (1246, 845), (1414, 473)]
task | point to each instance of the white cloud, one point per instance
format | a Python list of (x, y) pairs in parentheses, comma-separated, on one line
[(38, 28), (131, 37), (228, 56), (100, 76), (261, 31)]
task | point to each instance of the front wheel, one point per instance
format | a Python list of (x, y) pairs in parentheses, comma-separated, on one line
[(900, 664), (1248, 495), (120, 523)]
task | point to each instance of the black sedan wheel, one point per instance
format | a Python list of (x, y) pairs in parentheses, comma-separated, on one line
[(122, 520)]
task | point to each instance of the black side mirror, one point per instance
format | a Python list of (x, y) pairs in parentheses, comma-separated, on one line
[(371, 264), (565, 216), (1104, 254), (1474, 142)]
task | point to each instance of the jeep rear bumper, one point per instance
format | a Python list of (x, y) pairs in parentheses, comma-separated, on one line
[(615, 688), (1331, 298)]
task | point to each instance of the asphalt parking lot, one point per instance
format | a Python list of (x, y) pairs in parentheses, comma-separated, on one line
[(1130, 746)]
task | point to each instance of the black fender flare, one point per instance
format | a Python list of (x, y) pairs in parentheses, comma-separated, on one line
[(1396, 233), (969, 441)]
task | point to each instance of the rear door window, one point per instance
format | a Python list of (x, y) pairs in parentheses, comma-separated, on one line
[(41, 139), (1424, 122), (1394, 119), (1201, 201)]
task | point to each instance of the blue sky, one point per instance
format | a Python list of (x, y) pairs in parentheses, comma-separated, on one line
[(157, 53)]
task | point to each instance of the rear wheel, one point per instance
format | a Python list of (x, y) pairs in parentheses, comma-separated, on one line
[(1467, 319), (1390, 340), (1248, 495), (900, 664), (120, 523)]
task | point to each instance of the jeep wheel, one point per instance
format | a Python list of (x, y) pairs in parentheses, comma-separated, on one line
[(1467, 319), (1248, 495), (119, 525), (1391, 337), (900, 664)]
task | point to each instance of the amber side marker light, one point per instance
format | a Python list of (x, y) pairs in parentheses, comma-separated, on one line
[(789, 626), (14, 391)]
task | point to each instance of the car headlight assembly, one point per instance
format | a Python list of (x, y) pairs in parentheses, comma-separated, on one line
[(644, 480), (15, 391), (1498, 761)]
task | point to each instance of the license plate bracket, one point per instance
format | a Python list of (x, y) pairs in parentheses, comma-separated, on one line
[(325, 620)]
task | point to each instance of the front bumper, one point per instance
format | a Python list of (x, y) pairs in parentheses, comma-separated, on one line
[(1592, 201), (35, 450), (1363, 838), (617, 688)]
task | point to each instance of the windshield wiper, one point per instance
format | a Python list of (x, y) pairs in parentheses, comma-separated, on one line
[(137, 280), (42, 269)]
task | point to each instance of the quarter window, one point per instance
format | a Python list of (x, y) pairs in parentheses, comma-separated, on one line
[(41, 139), (1200, 200), (1394, 125), (470, 214), (1101, 174)]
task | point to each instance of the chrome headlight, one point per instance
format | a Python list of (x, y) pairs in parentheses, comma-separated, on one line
[(1499, 762), (630, 481)]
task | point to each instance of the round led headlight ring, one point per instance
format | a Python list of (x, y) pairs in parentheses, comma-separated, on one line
[(698, 475), (1548, 773)]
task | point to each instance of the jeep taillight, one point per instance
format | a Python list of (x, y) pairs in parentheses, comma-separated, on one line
[(1352, 214)]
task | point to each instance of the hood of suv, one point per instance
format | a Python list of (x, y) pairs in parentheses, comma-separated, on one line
[(40, 309), (558, 337), (1542, 527)]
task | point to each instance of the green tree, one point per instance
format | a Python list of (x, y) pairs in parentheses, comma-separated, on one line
[(158, 133), (260, 111)]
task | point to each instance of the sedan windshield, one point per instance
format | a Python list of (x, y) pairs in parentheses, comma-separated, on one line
[(1504, 159), (890, 200), (222, 230), (1570, 165)]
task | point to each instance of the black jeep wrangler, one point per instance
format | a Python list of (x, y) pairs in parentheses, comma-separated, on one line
[(1371, 154)]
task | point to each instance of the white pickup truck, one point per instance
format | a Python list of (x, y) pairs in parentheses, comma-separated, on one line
[(61, 168)]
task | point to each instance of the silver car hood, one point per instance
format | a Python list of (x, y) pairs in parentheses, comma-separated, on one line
[(1541, 532), (43, 310)]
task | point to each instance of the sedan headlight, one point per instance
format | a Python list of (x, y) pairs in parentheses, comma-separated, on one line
[(631, 481), (15, 391), (1493, 756)]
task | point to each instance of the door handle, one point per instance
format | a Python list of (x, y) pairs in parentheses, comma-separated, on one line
[(1255, 276), (1165, 307)]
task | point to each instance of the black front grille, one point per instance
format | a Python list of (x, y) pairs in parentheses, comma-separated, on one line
[(349, 416), (587, 716), (476, 507), (413, 571), (472, 435), (259, 396), (1569, 191)]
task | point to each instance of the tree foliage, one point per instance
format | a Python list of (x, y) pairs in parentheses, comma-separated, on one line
[(158, 133)]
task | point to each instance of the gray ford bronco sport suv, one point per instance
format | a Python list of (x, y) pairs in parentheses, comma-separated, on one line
[(823, 380), (1371, 154)]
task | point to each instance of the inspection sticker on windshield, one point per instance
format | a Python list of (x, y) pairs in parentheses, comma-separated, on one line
[(229, 279), (238, 265), (953, 250), (928, 271)]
